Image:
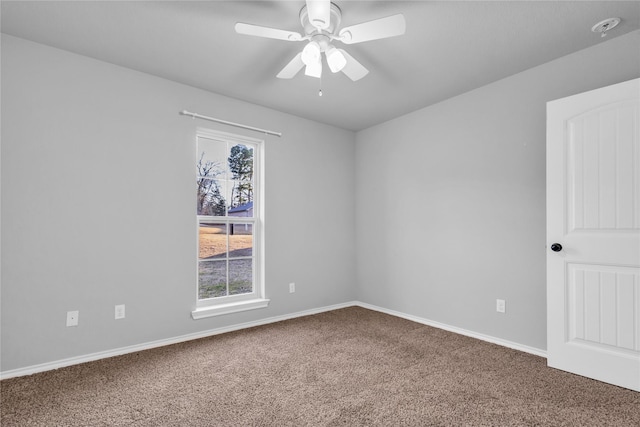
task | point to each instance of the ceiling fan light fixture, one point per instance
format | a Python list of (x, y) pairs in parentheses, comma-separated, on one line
[(335, 59), (311, 53), (314, 69)]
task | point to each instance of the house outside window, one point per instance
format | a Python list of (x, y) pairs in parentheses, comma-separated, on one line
[(229, 201)]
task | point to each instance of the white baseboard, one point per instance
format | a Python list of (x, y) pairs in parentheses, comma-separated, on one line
[(159, 343), (488, 338)]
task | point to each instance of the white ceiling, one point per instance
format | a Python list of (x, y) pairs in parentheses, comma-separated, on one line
[(450, 47)]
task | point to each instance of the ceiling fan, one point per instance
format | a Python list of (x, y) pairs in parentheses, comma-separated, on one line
[(320, 20)]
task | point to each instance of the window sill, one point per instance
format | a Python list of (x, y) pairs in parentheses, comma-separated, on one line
[(219, 310)]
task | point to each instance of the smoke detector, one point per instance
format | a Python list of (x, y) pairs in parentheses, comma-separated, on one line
[(603, 26)]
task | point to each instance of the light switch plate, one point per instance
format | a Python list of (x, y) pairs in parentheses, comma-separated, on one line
[(119, 311)]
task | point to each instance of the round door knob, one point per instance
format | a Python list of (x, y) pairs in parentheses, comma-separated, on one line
[(556, 247)]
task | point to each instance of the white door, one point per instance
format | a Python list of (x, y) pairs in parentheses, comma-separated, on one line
[(593, 234)]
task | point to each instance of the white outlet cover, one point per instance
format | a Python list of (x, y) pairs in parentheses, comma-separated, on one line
[(72, 318)]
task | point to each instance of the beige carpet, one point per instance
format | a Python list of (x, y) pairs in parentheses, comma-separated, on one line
[(349, 367)]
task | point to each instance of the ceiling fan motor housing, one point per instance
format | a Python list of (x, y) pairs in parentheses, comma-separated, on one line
[(310, 29)]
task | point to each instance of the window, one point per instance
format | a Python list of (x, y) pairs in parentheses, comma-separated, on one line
[(229, 221)]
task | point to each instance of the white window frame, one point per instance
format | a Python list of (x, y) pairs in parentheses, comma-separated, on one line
[(234, 303)]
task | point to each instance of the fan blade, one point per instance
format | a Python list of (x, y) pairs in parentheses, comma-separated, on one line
[(270, 33), (291, 69), (373, 30), (354, 70), (319, 12)]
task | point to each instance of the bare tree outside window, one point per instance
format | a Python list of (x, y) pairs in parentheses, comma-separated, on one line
[(210, 199)]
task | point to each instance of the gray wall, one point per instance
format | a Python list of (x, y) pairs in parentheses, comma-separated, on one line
[(451, 198), (98, 203), (98, 206)]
